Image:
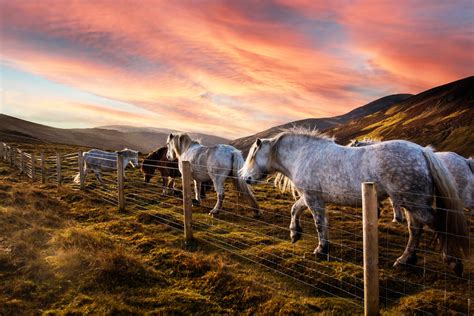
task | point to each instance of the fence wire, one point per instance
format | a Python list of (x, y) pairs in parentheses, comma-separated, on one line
[(264, 241)]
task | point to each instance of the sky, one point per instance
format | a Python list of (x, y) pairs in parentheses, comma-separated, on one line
[(228, 68)]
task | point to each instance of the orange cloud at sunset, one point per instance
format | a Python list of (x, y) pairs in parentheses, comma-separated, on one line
[(230, 67)]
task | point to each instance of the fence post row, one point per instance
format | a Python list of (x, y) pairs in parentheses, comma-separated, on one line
[(20, 165), (58, 169), (43, 168), (12, 155), (187, 200), (33, 166), (120, 168), (371, 246), (80, 161)]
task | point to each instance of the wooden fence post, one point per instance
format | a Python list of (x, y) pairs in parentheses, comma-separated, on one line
[(187, 200), (371, 248), (58, 169), (33, 166), (120, 186), (43, 168), (12, 156), (2, 151), (80, 161), (22, 162)]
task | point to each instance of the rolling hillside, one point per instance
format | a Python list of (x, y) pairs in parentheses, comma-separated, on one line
[(109, 138), (442, 117), (244, 143)]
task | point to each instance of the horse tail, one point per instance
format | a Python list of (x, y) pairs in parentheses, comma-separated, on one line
[(242, 187), (452, 231)]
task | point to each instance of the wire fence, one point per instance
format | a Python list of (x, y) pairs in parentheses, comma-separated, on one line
[(264, 240)]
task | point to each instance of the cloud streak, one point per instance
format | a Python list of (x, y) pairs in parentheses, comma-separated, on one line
[(234, 68)]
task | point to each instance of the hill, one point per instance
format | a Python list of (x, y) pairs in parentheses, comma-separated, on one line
[(110, 138), (322, 124), (442, 117)]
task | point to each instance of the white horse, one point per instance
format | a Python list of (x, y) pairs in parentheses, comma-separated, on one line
[(99, 160), (458, 166), (325, 172), (215, 163)]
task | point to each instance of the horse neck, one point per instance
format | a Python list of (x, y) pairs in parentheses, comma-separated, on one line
[(191, 145), (288, 152)]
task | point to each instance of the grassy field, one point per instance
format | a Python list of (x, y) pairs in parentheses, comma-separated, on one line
[(66, 250)]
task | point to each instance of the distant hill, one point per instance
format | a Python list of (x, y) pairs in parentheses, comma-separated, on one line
[(442, 117), (143, 139), (322, 124)]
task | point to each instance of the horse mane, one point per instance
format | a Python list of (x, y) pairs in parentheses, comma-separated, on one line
[(157, 154), (184, 141), (284, 184), (299, 131), (364, 141)]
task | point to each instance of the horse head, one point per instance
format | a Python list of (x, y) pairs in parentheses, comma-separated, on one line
[(256, 165), (177, 144)]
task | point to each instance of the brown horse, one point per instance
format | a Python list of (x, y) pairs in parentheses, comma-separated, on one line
[(168, 170)]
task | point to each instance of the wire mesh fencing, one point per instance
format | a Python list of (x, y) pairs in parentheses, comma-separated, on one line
[(263, 235)]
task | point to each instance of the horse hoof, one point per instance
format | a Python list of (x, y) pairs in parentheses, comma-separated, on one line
[(409, 261), (295, 237), (196, 202), (458, 268), (213, 212), (322, 252), (295, 234)]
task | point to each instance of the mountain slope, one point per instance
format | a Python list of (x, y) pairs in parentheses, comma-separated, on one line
[(442, 117), (206, 139), (145, 140), (322, 124)]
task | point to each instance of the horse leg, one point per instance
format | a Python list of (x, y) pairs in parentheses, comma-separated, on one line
[(203, 191), (171, 186), (86, 170), (164, 180), (398, 216), (318, 211), (219, 186), (197, 193), (415, 229), (295, 225), (99, 177)]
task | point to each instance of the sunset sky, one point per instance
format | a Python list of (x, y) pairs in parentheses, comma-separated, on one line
[(229, 68)]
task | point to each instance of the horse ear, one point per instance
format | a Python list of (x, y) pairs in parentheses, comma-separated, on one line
[(259, 141), (170, 137)]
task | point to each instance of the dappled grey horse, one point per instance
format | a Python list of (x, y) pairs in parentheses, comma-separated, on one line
[(458, 166), (211, 163), (323, 172), (99, 160)]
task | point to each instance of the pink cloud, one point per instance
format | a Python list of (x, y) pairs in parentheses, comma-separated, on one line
[(258, 64)]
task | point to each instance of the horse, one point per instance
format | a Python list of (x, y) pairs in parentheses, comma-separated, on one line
[(99, 160), (168, 169), (211, 163), (323, 172), (458, 166)]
